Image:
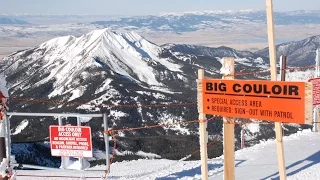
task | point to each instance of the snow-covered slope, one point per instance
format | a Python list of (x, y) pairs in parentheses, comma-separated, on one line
[(102, 66), (66, 65), (66, 57), (102, 69), (257, 162), (299, 53), (117, 73)]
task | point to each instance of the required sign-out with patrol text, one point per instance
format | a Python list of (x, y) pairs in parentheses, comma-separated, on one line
[(264, 100), (74, 141)]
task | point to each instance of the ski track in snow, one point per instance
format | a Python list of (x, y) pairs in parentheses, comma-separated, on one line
[(302, 157)]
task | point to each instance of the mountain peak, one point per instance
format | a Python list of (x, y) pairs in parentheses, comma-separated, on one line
[(105, 36), (127, 54)]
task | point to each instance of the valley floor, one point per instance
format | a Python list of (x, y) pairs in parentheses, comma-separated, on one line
[(251, 37), (302, 157)]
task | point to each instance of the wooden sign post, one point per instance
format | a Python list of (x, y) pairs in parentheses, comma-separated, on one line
[(202, 128), (273, 70), (250, 99), (317, 124), (228, 126)]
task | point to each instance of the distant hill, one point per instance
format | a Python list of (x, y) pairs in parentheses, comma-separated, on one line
[(193, 21), (299, 53), (4, 20)]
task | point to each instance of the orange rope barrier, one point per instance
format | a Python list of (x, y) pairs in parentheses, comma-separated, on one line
[(102, 105), (143, 105), (114, 132)]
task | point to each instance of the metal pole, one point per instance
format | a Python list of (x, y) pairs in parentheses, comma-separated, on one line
[(318, 62), (315, 120), (283, 65), (2, 143), (59, 121), (53, 114), (8, 131), (63, 159), (316, 109), (80, 158), (242, 137), (8, 142), (106, 138), (281, 160)]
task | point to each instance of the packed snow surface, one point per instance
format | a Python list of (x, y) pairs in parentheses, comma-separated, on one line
[(302, 157)]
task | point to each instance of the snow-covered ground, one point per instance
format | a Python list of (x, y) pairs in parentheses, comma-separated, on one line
[(302, 157)]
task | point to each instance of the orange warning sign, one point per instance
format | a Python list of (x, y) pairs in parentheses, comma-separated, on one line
[(264, 100)]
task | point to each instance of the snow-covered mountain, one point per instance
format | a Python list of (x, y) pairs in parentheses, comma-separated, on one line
[(192, 21), (299, 53), (102, 69), (67, 58), (120, 73)]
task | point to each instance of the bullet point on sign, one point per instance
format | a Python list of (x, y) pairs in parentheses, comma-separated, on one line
[(208, 100), (208, 107)]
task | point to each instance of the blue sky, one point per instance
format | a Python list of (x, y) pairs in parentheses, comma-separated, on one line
[(142, 7)]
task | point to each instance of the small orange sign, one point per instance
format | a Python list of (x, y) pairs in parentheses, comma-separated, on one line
[(264, 100)]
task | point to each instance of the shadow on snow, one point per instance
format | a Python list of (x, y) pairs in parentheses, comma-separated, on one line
[(197, 171), (313, 159)]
